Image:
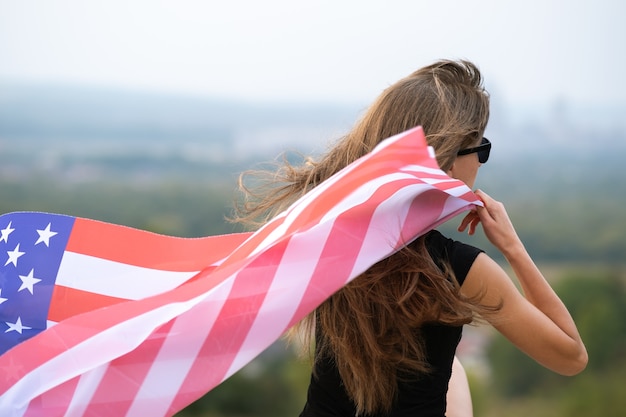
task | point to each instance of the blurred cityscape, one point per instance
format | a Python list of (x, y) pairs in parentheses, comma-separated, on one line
[(80, 133)]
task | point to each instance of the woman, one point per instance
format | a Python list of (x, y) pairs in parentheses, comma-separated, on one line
[(385, 343)]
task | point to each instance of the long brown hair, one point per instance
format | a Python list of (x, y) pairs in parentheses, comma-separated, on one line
[(370, 328)]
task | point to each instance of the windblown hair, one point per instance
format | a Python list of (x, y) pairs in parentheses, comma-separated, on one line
[(371, 327)]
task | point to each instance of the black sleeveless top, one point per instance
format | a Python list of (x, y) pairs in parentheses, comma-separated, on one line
[(422, 396)]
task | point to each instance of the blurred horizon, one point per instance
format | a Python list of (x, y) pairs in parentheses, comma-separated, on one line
[(87, 111)]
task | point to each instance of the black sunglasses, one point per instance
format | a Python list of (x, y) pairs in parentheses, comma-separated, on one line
[(483, 151)]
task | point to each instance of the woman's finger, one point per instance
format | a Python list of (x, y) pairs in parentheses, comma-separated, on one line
[(483, 195), (466, 221), (471, 219), (473, 225)]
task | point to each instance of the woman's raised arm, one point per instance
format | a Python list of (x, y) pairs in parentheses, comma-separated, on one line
[(537, 322)]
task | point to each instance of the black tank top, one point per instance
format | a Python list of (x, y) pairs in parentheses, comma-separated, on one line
[(422, 396)]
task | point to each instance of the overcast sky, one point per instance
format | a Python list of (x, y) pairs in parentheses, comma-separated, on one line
[(331, 50)]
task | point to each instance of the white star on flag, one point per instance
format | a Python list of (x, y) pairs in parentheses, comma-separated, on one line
[(16, 327), (45, 235), (6, 232), (2, 300), (14, 255), (28, 281)]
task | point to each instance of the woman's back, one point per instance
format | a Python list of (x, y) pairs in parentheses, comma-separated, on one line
[(417, 394)]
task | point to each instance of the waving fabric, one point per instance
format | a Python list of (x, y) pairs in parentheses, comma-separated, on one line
[(99, 319)]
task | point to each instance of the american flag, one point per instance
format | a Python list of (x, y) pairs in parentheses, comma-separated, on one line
[(103, 320)]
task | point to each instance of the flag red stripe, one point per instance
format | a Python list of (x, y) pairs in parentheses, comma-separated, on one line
[(67, 302), (156, 251), (429, 204), (54, 402)]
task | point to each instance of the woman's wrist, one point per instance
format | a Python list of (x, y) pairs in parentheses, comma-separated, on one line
[(514, 251)]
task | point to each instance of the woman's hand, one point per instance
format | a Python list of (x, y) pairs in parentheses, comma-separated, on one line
[(549, 334), (496, 224)]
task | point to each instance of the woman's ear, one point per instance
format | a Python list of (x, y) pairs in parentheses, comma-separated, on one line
[(450, 171)]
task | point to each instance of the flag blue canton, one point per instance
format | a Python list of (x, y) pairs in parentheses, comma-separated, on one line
[(31, 248)]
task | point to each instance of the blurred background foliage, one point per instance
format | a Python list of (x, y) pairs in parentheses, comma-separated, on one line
[(566, 198), (595, 297)]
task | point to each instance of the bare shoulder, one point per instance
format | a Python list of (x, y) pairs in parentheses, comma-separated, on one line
[(487, 278)]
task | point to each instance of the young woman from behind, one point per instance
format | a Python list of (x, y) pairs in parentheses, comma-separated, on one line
[(385, 343)]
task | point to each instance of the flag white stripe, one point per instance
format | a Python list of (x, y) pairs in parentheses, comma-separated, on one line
[(459, 191), (423, 172), (85, 389), (101, 276), (453, 205)]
